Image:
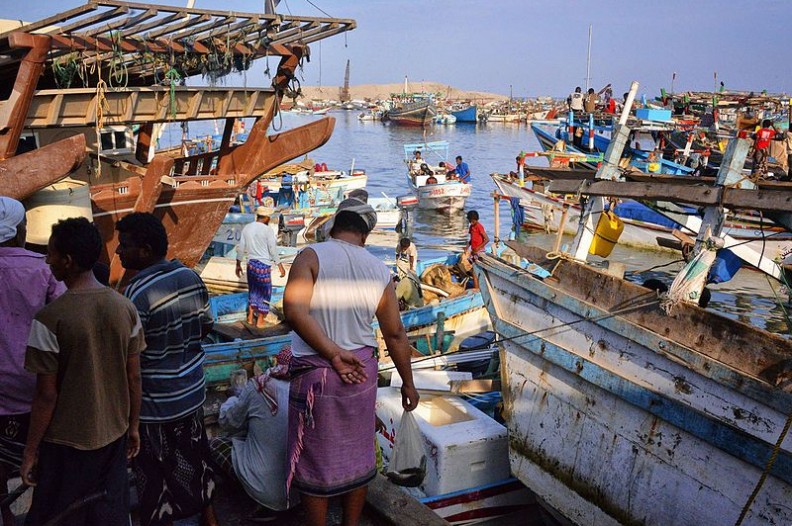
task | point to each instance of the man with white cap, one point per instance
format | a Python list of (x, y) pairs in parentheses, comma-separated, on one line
[(26, 285), (335, 290), (258, 243)]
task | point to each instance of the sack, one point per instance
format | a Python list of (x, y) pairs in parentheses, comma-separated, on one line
[(408, 463)]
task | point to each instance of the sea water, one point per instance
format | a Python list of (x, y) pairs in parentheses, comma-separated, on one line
[(378, 148)]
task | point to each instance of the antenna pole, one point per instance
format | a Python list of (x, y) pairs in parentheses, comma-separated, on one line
[(588, 61)]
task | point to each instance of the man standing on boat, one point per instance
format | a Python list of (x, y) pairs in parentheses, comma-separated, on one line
[(477, 242), (335, 290), (575, 100), (762, 139), (26, 285), (174, 480), (258, 243), (462, 170)]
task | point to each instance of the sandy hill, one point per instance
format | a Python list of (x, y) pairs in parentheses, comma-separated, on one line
[(383, 91)]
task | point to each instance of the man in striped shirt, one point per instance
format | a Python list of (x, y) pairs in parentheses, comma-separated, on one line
[(173, 477)]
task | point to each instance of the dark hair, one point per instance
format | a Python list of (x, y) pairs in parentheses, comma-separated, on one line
[(577, 89), (472, 215), (404, 242), (79, 238), (348, 221), (767, 123), (458, 157), (145, 229)]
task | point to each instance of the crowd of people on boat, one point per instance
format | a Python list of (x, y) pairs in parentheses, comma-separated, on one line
[(95, 381), (459, 171)]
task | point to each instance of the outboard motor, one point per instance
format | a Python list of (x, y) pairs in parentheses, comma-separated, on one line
[(289, 226)]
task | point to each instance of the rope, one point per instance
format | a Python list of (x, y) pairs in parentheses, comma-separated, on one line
[(173, 77), (101, 107), (533, 333)]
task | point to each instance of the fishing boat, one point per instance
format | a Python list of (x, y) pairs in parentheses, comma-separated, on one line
[(443, 195), (410, 109), (644, 227), (49, 57), (466, 115), (621, 413)]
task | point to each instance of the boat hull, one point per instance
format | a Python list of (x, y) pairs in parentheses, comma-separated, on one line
[(469, 114), (612, 423), (447, 196), (415, 114)]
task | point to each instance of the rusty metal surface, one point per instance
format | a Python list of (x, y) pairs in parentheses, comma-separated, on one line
[(25, 174)]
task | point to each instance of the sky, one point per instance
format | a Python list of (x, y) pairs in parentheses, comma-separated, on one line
[(533, 47)]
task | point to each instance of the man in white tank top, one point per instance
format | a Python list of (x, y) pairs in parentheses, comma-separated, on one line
[(335, 290)]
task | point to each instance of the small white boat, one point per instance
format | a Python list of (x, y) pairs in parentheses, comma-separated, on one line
[(429, 182)]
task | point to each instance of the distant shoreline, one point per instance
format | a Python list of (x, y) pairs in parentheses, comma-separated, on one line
[(383, 91)]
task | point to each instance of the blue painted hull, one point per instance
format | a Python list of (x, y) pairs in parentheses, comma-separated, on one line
[(469, 114)]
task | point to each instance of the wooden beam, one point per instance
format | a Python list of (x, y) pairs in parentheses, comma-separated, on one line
[(93, 20), (397, 507), (766, 200), (144, 143), (625, 189), (16, 107)]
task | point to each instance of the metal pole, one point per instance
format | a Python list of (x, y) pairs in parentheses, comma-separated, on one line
[(588, 61), (591, 132)]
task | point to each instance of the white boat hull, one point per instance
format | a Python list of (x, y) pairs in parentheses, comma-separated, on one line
[(612, 423), (448, 196)]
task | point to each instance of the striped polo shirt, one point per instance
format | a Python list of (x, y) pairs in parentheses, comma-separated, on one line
[(173, 304)]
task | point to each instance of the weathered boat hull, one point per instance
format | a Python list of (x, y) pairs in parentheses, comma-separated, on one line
[(415, 114), (23, 175), (194, 210), (639, 418)]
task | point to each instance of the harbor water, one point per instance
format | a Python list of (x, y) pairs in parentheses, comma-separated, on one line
[(378, 148)]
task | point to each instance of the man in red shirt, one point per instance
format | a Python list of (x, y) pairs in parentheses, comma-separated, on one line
[(478, 241), (762, 139)]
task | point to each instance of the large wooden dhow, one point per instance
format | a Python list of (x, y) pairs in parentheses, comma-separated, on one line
[(80, 80), (619, 413)]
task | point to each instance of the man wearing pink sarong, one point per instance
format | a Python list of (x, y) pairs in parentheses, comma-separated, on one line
[(335, 290)]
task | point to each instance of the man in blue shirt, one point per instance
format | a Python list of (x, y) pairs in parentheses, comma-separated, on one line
[(462, 170)]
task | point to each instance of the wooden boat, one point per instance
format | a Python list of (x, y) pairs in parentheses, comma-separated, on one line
[(468, 114), (123, 174), (620, 413), (418, 113), (445, 194)]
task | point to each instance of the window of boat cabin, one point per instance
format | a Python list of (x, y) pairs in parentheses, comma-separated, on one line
[(116, 141)]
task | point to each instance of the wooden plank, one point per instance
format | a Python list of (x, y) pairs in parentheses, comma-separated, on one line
[(770, 200), (22, 175), (397, 507), (95, 19), (653, 191)]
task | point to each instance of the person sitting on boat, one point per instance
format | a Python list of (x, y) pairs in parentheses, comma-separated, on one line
[(425, 170), (450, 173), (462, 170), (255, 453), (431, 180), (575, 100), (258, 243), (417, 161)]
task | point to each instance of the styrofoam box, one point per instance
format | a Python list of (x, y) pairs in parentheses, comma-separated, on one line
[(651, 114), (464, 447)]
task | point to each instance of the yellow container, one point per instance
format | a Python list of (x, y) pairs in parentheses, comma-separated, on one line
[(61, 200), (609, 229)]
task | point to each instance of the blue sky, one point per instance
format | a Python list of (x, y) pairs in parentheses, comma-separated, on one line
[(536, 47)]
